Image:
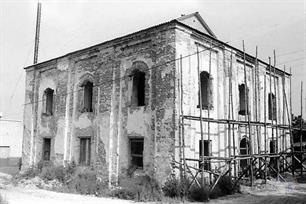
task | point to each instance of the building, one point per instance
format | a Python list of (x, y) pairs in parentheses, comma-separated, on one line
[(118, 106), (10, 142)]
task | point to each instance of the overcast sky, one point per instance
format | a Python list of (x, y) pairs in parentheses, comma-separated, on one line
[(68, 25)]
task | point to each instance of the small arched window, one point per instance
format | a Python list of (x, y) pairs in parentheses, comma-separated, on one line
[(206, 90), (88, 87), (244, 150), (138, 92), (48, 101), (242, 99), (272, 106)]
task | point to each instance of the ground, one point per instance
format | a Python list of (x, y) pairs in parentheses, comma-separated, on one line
[(272, 193)]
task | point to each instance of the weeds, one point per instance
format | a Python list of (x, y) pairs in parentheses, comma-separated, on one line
[(142, 188)]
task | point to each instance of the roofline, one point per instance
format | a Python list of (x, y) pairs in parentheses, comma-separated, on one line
[(231, 47), (99, 44), (156, 26)]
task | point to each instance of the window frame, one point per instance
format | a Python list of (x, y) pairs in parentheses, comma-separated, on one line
[(85, 151), (87, 97), (141, 140), (44, 149)]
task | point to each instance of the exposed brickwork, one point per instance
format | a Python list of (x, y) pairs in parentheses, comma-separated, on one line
[(115, 120)]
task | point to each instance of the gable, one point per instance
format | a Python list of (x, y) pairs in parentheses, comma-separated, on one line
[(196, 21)]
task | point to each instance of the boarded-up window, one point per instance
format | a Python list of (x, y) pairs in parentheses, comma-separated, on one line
[(46, 149), (48, 101), (85, 148), (138, 93), (207, 149), (88, 86), (136, 152), (206, 90), (242, 99), (272, 106)]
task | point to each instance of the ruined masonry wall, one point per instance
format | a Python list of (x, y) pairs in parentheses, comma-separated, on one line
[(114, 120)]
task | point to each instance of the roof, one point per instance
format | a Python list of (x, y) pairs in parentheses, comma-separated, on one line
[(184, 19), (175, 21)]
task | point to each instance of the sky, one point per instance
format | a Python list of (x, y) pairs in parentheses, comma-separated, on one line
[(69, 25)]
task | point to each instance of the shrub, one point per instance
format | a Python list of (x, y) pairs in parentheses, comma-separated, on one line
[(30, 173), (142, 188), (226, 185), (84, 181), (47, 173), (200, 194), (175, 188)]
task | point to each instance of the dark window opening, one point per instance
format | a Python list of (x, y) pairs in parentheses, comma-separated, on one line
[(207, 149), (85, 148), (242, 99), (88, 86), (206, 90), (136, 152), (272, 148), (138, 93), (48, 96), (46, 149), (244, 150), (272, 106)]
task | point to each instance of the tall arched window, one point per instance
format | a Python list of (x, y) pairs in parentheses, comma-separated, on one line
[(272, 106), (48, 101), (242, 102), (138, 92), (206, 90), (87, 96)]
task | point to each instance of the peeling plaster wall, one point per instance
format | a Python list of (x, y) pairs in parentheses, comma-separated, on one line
[(186, 44), (114, 119)]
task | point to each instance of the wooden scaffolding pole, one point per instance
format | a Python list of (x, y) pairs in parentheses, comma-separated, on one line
[(291, 119), (265, 121), (233, 117), (208, 108), (229, 117), (182, 114), (248, 114), (301, 128), (201, 123), (274, 112)]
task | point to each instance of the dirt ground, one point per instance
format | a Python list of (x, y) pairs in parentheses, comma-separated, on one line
[(272, 193)]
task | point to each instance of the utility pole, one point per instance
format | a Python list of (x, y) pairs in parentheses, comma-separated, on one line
[(34, 116), (37, 33)]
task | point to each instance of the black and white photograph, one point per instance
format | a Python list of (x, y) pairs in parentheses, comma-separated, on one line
[(152, 101)]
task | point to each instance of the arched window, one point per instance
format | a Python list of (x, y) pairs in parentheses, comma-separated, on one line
[(242, 102), (206, 90), (272, 106), (244, 150), (138, 92), (87, 96), (48, 101)]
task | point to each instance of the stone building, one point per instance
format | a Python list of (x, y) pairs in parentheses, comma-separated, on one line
[(117, 105)]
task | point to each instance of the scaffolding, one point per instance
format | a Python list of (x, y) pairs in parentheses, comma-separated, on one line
[(260, 164)]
